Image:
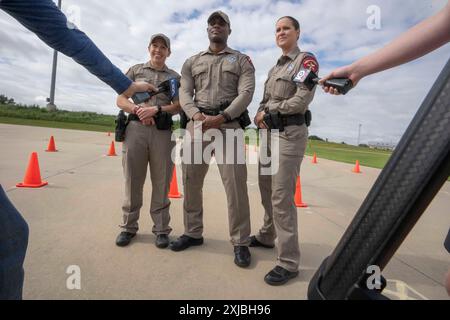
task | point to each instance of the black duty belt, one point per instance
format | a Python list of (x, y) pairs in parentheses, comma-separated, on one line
[(133, 117), (292, 120), (209, 112)]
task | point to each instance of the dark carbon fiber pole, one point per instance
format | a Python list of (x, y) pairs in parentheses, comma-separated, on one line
[(418, 168)]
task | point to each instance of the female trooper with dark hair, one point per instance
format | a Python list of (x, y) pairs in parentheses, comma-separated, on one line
[(282, 111)]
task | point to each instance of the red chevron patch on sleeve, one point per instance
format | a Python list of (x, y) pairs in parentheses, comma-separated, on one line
[(250, 61), (311, 64)]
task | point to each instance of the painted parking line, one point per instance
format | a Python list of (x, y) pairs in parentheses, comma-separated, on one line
[(396, 289)]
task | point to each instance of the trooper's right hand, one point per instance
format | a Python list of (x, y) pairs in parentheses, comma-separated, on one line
[(198, 117), (149, 122), (259, 120)]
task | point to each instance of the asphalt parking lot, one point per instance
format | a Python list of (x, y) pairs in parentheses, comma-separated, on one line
[(74, 222)]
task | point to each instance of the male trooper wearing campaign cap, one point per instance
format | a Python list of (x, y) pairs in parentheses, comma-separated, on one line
[(148, 143), (219, 76)]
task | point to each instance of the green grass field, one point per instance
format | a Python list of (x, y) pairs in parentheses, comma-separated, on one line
[(57, 124), (34, 116), (349, 154), (332, 151)]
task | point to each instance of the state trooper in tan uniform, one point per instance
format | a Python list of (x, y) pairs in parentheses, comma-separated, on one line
[(286, 103), (217, 77), (146, 145)]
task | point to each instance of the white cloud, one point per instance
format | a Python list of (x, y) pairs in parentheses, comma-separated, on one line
[(40, 99), (335, 31)]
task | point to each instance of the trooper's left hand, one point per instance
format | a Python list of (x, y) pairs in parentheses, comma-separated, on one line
[(212, 122), (146, 113)]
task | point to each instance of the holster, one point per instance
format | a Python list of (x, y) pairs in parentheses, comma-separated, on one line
[(244, 120), (183, 120), (273, 121), (308, 118), (164, 121), (121, 126)]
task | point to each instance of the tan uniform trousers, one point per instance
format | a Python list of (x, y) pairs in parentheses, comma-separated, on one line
[(277, 194), (234, 179), (143, 146)]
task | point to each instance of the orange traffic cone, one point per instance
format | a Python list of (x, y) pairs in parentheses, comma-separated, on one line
[(314, 160), (298, 195), (173, 193), (33, 175), (356, 168), (51, 145), (112, 150)]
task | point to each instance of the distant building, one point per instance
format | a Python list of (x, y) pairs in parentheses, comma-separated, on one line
[(382, 145)]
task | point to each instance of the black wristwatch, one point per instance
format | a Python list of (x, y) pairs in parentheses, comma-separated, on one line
[(159, 110)]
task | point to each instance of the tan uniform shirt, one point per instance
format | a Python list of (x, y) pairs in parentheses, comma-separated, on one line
[(145, 72), (209, 79), (281, 94)]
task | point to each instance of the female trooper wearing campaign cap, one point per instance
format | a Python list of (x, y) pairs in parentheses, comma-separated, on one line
[(286, 103), (149, 144)]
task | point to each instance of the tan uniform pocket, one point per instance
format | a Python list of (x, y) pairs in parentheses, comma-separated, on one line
[(230, 72), (199, 73), (140, 76), (284, 87), (141, 79)]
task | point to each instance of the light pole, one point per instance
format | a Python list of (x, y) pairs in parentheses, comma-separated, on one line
[(51, 101), (359, 134)]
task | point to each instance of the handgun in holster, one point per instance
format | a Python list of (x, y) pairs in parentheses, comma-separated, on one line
[(273, 121), (121, 126), (183, 119), (164, 121), (244, 118)]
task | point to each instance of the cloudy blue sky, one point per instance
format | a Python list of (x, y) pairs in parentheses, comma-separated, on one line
[(336, 31)]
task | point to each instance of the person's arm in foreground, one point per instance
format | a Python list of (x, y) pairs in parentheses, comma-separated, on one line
[(43, 18), (421, 39)]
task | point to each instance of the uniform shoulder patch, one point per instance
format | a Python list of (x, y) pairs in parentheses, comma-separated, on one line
[(310, 62), (249, 61)]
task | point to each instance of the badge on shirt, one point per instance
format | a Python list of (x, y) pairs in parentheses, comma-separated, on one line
[(232, 59), (290, 67)]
